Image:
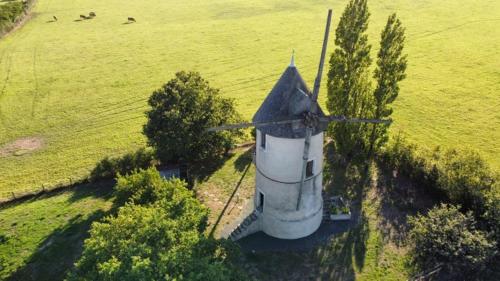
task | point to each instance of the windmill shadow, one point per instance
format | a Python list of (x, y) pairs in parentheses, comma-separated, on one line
[(236, 188)]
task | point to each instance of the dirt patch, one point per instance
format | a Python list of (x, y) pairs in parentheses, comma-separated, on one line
[(21, 146)]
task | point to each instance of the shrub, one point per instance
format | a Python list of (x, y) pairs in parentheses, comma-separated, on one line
[(147, 187), (157, 235), (111, 167), (181, 112), (461, 177), (148, 243), (410, 160), (9, 12), (448, 237)]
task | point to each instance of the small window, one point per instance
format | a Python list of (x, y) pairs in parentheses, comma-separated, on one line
[(309, 168), (263, 140)]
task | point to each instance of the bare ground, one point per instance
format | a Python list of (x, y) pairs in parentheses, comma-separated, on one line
[(21, 146)]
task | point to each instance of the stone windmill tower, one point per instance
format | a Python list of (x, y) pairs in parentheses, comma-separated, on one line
[(289, 125)]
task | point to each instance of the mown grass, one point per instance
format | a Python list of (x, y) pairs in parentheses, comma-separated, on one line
[(82, 86), (43, 237)]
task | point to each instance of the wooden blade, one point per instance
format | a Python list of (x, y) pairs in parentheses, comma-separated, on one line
[(332, 118), (309, 130), (254, 124), (305, 158), (317, 82)]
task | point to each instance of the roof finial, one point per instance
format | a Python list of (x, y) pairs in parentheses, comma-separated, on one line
[(292, 62)]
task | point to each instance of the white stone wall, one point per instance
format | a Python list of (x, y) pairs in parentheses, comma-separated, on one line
[(279, 168)]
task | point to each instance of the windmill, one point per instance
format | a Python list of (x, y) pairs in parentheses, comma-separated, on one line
[(289, 156)]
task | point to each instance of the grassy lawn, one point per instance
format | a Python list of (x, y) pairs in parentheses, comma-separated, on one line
[(228, 191), (42, 238), (79, 88)]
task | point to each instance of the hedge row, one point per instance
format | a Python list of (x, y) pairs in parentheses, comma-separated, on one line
[(10, 13), (459, 177)]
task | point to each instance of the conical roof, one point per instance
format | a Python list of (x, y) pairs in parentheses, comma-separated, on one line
[(288, 99)]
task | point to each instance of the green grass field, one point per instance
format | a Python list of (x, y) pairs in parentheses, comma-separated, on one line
[(43, 237), (80, 87)]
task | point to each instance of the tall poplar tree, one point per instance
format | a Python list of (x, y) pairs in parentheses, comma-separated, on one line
[(391, 67), (349, 88)]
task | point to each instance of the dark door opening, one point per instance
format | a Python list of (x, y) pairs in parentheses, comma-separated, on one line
[(261, 201)]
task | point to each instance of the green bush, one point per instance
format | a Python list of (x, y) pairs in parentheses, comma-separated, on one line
[(149, 243), (9, 12), (109, 168), (157, 235), (458, 176), (411, 161), (147, 187), (448, 237)]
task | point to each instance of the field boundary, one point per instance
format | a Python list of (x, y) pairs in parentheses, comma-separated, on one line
[(24, 196), (20, 21), (17, 199)]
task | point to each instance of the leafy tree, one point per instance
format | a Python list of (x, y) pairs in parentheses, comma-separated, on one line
[(157, 235), (448, 237), (349, 89), (391, 67), (181, 111)]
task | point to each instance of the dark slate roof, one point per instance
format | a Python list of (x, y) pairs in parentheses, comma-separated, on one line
[(286, 101)]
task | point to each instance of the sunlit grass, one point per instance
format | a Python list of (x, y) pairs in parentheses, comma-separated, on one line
[(82, 86)]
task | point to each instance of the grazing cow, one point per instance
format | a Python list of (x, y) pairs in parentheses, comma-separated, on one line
[(92, 14), (130, 19), (55, 18), (83, 17)]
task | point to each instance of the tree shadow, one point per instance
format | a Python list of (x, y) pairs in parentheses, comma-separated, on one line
[(201, 171), (57, 253), (350, 180), (102, 189), (244, 159), (400, 198)]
